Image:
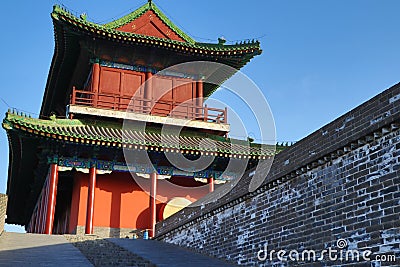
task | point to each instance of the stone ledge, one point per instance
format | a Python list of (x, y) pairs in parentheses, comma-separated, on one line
[(109, 232), (196, 124)]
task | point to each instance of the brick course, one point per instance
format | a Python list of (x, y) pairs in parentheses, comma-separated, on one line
[(340, 182)]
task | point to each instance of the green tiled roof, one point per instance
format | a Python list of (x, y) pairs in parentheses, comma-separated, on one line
[(109, 31), (112, 135)]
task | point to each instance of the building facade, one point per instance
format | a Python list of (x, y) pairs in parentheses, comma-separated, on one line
[(106, 101)]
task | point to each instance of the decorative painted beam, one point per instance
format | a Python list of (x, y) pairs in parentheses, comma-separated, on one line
[(103, 165)]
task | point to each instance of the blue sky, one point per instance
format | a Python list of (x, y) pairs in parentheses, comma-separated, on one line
[(320, 58)]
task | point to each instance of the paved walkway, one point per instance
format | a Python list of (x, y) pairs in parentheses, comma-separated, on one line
[(163, 254), (18, 249)]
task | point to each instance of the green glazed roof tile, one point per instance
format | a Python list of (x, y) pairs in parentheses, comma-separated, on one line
[(109, 30), (78, 131)]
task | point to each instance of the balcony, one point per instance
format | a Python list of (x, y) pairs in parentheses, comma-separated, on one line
[(87, 102)]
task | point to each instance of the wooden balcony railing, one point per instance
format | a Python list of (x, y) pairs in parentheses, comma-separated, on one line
[(148, 106)]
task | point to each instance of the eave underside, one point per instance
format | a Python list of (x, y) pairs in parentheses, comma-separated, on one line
[(23, 162)]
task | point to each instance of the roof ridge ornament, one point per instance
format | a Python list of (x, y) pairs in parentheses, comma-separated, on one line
[(221, 40)]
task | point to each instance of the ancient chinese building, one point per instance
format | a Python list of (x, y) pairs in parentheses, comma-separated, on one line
[(68, 171)]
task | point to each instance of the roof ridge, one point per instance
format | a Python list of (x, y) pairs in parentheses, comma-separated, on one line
[(127, 18)]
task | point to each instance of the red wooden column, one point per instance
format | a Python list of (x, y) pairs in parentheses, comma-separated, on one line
[(210, 184), (42, 213), (199, 98), (51, 199), (37, 215), (33, 228), (90, 201), (95, 81), (148, 91), (39, 218), (153, 194)]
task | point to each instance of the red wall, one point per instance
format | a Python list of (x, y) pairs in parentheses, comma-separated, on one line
[(149, 24), (117, 87), (177, 90), (120, 202), (120, 85)]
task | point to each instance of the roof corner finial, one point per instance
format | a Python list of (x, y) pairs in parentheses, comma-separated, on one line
[(83, 16), (150, 2), (53, 116)]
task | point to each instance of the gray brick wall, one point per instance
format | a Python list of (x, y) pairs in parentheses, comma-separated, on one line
[(341, 182), (109, 232), (3, 209)]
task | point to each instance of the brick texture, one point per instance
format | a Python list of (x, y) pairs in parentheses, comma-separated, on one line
[(3, 208), (340, 182), (110, 232)]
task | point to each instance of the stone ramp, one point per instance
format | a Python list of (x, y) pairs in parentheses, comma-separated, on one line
[(163, 254), (17, 249), (101, 252)]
